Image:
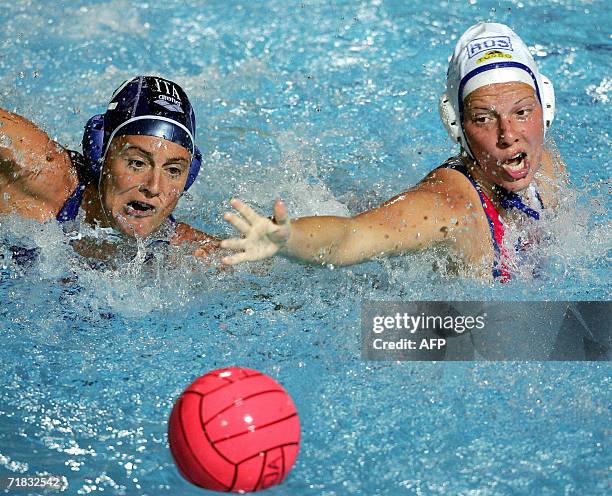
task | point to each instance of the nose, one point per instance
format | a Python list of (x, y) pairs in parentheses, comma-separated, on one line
[(150, 185), (507, 133)]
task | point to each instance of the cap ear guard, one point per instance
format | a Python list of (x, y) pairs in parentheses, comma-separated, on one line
[(547, 92), (93, 146), (452, 123), (450, 119), (194, 168)]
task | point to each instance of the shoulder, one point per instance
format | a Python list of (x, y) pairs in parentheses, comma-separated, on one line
[(203, 244), (36, 170), (552, 178), (444, 192), (442, 202), (28, 149), (453, 187)]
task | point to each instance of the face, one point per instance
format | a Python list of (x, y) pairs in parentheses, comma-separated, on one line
[(142, 181), (504, 128)]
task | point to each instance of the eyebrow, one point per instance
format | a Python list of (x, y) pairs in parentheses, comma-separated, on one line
[(476, 107), (177, 159), (524, 98), (130, 146), (149, 155)]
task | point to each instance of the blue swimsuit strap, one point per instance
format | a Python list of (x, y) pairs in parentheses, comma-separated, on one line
[(70, 209), (510, 200)]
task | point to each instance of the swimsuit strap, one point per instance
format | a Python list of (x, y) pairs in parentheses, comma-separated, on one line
[(70, 209), (510, 200), (498, 230), (500, 268)]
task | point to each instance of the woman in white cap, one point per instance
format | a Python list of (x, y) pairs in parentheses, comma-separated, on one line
[(497, 107)]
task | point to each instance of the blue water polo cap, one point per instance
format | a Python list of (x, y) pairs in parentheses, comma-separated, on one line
[(144, 105)]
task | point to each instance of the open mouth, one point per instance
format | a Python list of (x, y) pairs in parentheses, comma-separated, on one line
[(517, 166), (139, 209)]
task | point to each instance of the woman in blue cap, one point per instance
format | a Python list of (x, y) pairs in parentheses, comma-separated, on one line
[(497, 106), (138, 158)]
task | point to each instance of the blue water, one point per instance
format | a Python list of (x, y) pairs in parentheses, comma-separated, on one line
[(333, 107)]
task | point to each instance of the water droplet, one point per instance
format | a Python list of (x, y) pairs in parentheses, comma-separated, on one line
[(5, 141)]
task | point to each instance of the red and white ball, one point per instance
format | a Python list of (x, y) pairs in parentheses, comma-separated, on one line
[(234, 429)]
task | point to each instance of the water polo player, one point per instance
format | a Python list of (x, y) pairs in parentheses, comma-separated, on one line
[(138, 158), (498, 107)]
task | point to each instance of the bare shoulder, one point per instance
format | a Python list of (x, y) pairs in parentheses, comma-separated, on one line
[(444, 208), (443, 198), (35, 171), (453, 187), (552, 163), (463, 221), (552, 177), (203, 244)]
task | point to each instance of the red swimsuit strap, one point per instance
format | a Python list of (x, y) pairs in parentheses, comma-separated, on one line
[(498, 230)]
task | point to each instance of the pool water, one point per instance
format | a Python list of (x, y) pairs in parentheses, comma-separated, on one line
[(333, 107)]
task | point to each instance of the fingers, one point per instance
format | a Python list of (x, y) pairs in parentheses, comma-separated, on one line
[(262, 236), (237, 258), (280, 213), (234, 244), (238, 222), (243, 209)]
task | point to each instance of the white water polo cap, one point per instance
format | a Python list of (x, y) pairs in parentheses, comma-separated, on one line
[(489, 53)]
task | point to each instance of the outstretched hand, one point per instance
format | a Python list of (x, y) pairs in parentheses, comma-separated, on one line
[(263, 237)]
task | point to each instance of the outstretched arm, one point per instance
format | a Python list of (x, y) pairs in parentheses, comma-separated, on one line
[(397, 226), (426, 215)]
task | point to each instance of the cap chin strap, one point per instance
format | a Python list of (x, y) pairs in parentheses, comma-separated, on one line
[(450, 119)]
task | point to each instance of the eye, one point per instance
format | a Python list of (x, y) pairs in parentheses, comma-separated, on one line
[(481, 119), (174, 171), (524, 112), (136, 163)]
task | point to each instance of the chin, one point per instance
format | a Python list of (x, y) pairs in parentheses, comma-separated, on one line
[(520, 184), (135, 229), (144, 231), (516, 186)]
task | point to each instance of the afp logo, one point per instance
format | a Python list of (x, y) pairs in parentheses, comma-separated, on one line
[(488, 43)]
